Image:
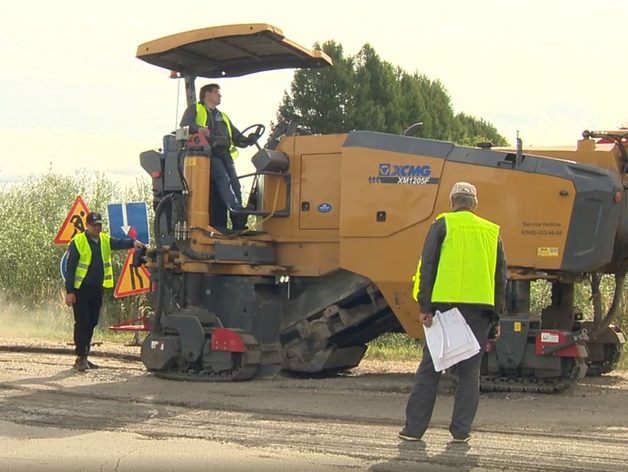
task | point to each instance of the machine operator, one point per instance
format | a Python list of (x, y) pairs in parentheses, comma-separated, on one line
[(204, 117)]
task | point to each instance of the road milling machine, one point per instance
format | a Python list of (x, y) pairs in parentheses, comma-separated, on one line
[(336, 227)]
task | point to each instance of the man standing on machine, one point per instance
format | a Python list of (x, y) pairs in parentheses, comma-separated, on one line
[(203, 117)]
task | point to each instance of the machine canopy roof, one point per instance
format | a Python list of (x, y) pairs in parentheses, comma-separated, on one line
[(229, 51)]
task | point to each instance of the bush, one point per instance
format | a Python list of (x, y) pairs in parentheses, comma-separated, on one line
[(541, 291)]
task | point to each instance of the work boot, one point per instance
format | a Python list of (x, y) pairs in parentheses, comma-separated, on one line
[(406, 435), (238, 222), (91, 365), (81, 364)]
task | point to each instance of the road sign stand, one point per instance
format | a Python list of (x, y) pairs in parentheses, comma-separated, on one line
[(132, 326)]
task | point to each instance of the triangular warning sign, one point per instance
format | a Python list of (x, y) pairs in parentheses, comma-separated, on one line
[(74, 223), (133, 280)]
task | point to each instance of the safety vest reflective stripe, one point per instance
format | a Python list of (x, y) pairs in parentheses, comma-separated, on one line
[(417, 281), (201, 120), (467, 263), (233, 151), (201, 114), (85, 258)]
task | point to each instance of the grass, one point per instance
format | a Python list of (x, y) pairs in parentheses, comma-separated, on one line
[(53, 324), (57, 325), (394, 347), (623, 364)]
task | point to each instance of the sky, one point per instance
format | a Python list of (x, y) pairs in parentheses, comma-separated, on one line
[(73, 95)]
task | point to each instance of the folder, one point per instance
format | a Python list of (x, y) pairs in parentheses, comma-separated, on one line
[(450, 339)]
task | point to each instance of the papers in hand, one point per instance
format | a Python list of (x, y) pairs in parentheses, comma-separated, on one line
[(450, 340)]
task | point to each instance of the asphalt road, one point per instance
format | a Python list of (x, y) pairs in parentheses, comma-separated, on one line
[(119, 418)]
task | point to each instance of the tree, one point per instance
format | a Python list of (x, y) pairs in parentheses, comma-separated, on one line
[(469, 131), (365, 92), (320, 98)]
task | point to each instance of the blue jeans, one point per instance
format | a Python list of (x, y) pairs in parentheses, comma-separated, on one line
[(224, 179)]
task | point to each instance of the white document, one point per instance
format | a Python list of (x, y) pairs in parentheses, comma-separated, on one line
[(450, 339)]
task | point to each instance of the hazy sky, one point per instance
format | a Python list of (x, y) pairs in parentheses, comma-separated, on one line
[(72, 93)]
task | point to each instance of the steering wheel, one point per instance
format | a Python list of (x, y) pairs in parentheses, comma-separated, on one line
[(259, 131)]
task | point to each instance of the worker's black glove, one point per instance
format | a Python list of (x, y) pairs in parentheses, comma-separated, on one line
[(250, 139), (494, 332)]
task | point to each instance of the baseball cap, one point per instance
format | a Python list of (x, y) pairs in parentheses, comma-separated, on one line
[(463, 188), (94, 218)]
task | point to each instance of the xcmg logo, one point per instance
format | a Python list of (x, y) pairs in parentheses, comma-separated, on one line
[(404, 174), (389, 170)]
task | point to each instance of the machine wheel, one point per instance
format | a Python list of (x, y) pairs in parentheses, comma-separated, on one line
[(612, 356)]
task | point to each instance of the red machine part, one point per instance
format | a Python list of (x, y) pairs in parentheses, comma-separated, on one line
[(224, 339), (551, 338), (198, 139), (132, 326)]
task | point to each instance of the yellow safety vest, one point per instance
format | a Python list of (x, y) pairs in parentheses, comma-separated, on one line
[(85, 258), (201, 120), (467, 263)]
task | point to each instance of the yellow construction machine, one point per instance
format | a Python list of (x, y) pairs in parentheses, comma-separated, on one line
[(336, 227)]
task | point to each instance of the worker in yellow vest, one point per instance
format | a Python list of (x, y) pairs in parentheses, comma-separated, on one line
[(205, 118), (89, 272), (462, 265)]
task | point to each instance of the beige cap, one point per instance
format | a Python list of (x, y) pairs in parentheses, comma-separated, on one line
[(463, 188)]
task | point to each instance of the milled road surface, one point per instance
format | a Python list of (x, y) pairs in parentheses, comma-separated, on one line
[(120, 418)]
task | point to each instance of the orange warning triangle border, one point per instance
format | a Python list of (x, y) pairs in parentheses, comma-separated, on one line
[(118, 293), (59, 239)]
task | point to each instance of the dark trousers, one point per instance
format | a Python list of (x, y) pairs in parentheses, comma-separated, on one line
[(217, 210), (86, 312), (423, 396)]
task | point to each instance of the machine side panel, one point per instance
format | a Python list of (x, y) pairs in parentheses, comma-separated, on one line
[(589, 235), (532, 213), (386, 192), (295, 147), (533, 201), (592, 234), (319, 206), (392, 260)]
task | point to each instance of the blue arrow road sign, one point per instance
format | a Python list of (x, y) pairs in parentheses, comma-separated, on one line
[(128, 220), (63, 265)]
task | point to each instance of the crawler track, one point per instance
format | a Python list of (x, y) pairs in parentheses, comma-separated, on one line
[(534, 385)]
